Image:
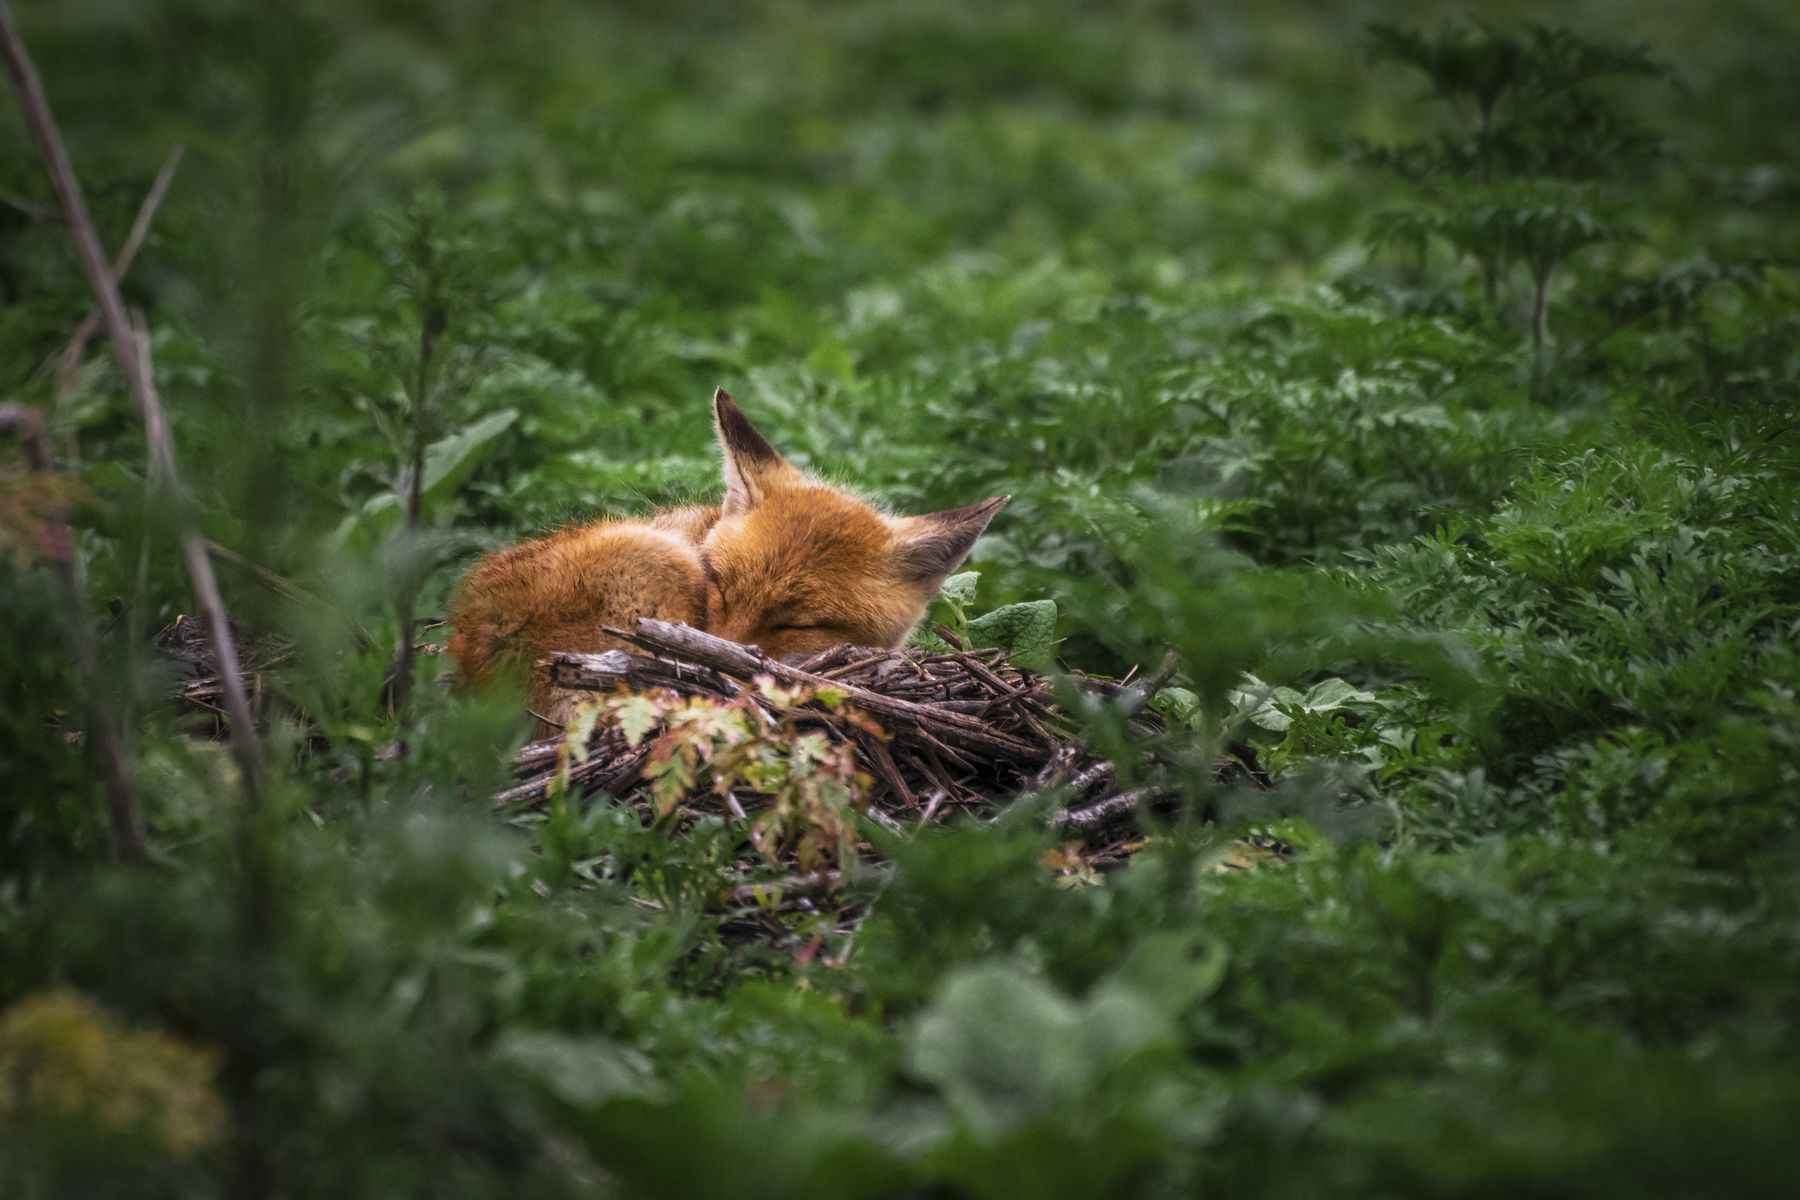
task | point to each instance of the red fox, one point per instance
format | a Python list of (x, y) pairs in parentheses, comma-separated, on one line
[(784, 562)]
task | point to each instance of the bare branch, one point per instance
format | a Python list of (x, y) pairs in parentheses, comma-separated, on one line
[(691, 645), (69, 361), (133, 363)]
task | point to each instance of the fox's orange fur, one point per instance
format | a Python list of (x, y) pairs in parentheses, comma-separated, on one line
[(784, 562)]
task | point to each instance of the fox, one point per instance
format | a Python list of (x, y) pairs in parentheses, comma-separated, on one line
[(784, 562)]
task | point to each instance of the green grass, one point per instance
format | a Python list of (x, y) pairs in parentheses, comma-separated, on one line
[(1514, 627)]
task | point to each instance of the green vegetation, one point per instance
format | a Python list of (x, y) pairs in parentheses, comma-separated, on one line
[(1429, 390)]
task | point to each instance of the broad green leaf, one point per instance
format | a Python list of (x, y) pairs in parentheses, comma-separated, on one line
[(1328, 694), (1025, 632), (448, 463), (960, 588), (451, 460), (999, 1043), (1262, 704), (1265, 705), (1176, 968)]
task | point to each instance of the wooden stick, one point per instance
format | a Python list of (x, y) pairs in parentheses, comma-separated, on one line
[(883, 762), (1144, 690), (613, 670), (1115, 807), (957, 729), (103, 731), (597, 774), (246, 745)]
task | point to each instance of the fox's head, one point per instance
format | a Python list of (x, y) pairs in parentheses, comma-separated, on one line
[(794, 565)]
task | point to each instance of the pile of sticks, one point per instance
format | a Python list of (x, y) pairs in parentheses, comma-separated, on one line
[(936, 734), (960, 731)]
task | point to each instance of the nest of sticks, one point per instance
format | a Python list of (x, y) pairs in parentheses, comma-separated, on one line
[(933, 734), (200, 689)]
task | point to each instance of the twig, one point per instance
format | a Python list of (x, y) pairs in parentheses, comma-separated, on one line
[(70, 359), (598, 773), (882, 819), (1103, 812), (956, 729), (931, 807), (1055, 769), (1088, 777), (103, 732), (883, 761), (850, 668), (246, 745), (1143, 691), (612, 670)]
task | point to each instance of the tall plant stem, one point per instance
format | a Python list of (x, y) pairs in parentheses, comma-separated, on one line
[(165, 476), (27, 424), (410, 502), (1540, 308)]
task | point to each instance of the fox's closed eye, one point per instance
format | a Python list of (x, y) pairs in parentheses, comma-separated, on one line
[(794, 626)]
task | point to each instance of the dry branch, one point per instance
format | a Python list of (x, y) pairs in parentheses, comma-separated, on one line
[(954, 728), (70, 357), (134, 363)]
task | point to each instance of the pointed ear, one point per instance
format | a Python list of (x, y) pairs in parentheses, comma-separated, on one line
[(750, 462), (932, 546)]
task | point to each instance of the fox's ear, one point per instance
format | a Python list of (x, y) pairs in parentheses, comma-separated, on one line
[(751, 464), (932, 546)]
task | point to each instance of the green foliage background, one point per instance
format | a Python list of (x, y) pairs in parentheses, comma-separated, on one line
[(1514, 625)]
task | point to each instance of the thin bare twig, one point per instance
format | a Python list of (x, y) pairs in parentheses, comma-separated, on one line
[(957, 729), (1116, 807), (69, 360), (27, 424), (164, 474)]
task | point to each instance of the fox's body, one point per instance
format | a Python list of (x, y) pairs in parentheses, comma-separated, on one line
[(784, 562)]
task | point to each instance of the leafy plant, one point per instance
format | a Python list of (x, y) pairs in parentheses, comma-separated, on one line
[(1025, 632), (1517, 181), (807, 788)]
